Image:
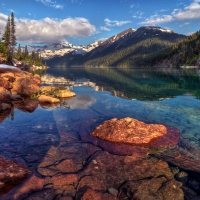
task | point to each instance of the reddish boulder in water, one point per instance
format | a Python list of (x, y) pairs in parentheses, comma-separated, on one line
[(11, 174), (130, 131)]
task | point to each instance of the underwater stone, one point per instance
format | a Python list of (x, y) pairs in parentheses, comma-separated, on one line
[(130, 131)]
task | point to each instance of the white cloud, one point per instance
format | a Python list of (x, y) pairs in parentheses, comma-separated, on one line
[(104, 28), (109, 22), (49, 30), (3, 19), (153, 20), (185, 24), (139, 15), (188, 13), (50, 3)]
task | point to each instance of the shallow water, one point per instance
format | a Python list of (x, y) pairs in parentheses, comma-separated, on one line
[(31, 136)]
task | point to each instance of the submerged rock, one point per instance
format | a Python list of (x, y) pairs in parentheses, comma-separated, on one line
[(130, 131), (164, 143), (11, 174)]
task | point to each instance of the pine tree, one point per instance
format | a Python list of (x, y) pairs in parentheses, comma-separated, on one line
[(26, 52), (19, 53), (7, 44), (12, 34)]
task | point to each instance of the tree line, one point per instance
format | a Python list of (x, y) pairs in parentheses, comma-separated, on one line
[(8, 42)]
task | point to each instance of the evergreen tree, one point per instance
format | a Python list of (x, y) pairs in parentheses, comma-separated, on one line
[(19, 53), (7, 44), (26, 54), (12, 34)]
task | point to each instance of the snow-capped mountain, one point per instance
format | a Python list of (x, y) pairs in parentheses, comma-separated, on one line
[(130, 37), (60, 49)]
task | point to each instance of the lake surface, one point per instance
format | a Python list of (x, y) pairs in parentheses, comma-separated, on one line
[(169, 97)]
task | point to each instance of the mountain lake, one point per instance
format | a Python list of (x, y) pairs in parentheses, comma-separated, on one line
[(163, 96)]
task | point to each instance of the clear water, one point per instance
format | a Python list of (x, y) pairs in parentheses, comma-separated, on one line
[(169, 97)]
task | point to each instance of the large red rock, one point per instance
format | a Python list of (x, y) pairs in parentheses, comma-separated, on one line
[(11, 174), (130, 131)]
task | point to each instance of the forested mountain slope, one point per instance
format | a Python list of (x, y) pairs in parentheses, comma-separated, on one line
[(126, 49)]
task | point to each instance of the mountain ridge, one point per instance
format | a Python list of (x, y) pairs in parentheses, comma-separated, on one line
[(126, 49)]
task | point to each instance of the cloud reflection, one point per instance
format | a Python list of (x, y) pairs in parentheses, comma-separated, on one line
[(82, 101)]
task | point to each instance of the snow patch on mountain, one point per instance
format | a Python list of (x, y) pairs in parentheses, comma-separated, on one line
[(62, 48), (156, 28)]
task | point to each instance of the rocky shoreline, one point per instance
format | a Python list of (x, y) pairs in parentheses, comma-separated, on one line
[(155, 164), (19, 88)]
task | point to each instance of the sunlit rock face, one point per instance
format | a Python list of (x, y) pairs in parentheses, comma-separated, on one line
[(130, 131), (18, 81), (11, 174)]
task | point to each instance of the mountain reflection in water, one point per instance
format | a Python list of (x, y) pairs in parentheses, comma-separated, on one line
[(140, 84)]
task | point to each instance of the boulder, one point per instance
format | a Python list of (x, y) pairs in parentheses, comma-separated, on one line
[(4, 95), (154, 188), (148, 178), (6, 84), (130, 131), (8, 76), (66, 93), (48, 99), (25, 86), (18, 81), (11, 174)]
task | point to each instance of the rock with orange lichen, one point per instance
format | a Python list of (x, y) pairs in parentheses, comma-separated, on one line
[(130, 131)]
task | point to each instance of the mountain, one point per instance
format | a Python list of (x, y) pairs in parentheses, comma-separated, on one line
[(183, 54), (133, 48), (61, 49), (126, 49)]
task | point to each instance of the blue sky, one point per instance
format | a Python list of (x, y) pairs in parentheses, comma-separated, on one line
[(82, 22)]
